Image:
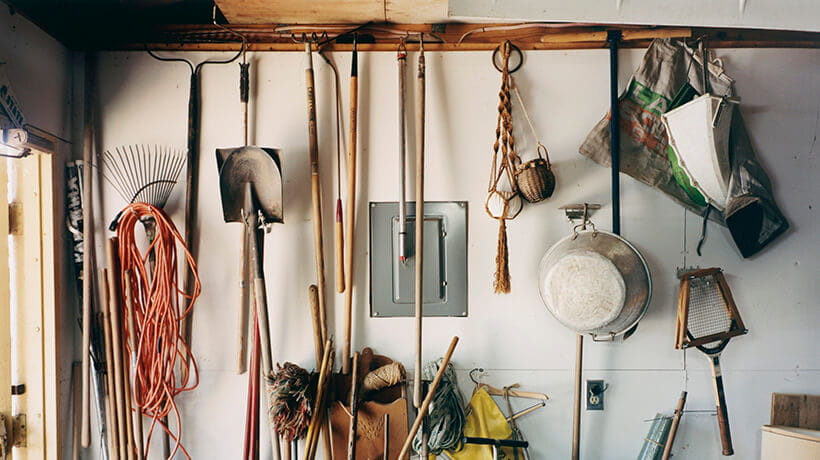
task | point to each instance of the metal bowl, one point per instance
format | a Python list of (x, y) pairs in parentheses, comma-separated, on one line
[(629, 262)]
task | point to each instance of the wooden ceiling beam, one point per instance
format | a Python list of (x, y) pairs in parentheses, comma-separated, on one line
[(448, 37)]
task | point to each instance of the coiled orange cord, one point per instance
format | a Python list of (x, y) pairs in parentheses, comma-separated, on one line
[(161, 350)]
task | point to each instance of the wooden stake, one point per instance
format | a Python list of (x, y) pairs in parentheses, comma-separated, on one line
[(321, 395), (405, 449), (673, 430)]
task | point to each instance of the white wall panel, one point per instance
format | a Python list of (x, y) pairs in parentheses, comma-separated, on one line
[(513, 336)]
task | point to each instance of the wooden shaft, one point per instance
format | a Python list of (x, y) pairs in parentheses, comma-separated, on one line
[(351, 210), (321, 393), (354, 409), (88, 251), (113, 305), (191, 200), (315, 188), (318, 344), (419, 244), (132, 344), (244, 310), (579, 391), (288, 454), (722, 411), (386, 430), (113, 446), (339, 241), (673, 430), (76, 401), (405, 449)]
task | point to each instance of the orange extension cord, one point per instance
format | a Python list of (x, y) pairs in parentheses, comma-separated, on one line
[(162, 368)]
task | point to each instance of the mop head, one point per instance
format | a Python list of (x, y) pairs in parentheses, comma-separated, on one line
[(290, 400)]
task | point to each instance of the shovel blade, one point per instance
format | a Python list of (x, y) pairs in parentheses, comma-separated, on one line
[(257, 166)]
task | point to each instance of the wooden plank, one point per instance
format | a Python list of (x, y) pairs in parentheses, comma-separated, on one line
[(301, 11), (5, 297), (415, 11), (801, 411), (50, 267)]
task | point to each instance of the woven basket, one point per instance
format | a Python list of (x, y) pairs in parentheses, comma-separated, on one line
[(535, 178)]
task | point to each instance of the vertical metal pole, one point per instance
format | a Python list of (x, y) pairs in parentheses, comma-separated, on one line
[(613, 37)]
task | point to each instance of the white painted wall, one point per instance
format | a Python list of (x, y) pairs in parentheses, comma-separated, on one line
[(512, 336)]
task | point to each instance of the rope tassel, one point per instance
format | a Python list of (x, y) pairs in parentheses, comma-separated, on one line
[(501, 284)]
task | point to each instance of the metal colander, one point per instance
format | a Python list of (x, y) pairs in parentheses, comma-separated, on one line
[(627, 260)]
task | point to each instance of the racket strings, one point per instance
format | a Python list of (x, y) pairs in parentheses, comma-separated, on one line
[(708, 310)]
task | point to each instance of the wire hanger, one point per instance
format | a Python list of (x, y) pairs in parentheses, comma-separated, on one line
[(510, 389)]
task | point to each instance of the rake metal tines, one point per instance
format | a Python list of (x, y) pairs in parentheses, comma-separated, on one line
[(706, 310), (143, 173)]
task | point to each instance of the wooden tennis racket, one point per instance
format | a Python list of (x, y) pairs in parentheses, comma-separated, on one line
[(708, 319)]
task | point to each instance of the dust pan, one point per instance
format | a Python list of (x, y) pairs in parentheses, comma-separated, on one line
[(699, 136), (261, 168)]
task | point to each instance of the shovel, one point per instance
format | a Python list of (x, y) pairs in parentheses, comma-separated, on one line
[(250, 182)]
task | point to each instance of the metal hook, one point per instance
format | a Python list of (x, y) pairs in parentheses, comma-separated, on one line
[(472, 374)]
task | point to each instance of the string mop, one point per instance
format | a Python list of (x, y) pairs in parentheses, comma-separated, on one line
[(446, 419), (161, 370), (291, 396)]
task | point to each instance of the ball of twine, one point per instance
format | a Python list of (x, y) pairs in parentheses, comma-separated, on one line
[(383, 377)]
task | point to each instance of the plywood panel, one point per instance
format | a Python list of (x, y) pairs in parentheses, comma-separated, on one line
[(301, 12), (802, 411), (416, 11)]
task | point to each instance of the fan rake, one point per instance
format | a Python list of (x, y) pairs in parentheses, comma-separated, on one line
[(142, 173)]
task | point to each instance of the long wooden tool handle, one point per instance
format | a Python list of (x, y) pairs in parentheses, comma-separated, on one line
[(576, 413), (321, 395), (113, 306), (722, 411), (244, 309), (339, 237), (354, 409), (315, 187), (132, 344), (419, 245), (191, 200), (351, 209), (88, 251), (111, 406), (673, 430), (405, 449)]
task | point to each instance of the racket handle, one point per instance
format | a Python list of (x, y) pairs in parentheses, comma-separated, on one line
[(722, 412)]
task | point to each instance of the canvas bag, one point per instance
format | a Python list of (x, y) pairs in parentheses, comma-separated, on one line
[(668, 69)]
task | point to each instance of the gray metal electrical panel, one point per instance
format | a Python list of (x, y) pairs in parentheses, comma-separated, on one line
[(392, 283)]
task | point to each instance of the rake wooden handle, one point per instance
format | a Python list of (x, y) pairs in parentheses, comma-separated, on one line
[(111, 402), (315, 187), (405, 449), (113, 305)]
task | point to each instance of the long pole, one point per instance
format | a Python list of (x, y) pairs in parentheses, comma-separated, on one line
[(419, 227), (88, 251), (405, 449), (576, 409), (351, 208), (315, 188), (613, 37), (673, 430)]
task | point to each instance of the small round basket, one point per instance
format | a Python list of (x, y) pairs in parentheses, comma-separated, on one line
[(535, 179)]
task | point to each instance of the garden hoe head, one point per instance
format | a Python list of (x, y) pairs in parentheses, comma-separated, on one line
[(257, 168)]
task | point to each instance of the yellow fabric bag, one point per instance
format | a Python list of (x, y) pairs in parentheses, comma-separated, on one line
[(485, 420)]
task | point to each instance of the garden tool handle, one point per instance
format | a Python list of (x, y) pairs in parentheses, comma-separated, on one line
[(405, 449), (244, 310), (351, 209)]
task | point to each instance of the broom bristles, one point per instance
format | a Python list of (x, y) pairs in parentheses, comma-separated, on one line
[(502, 262)]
